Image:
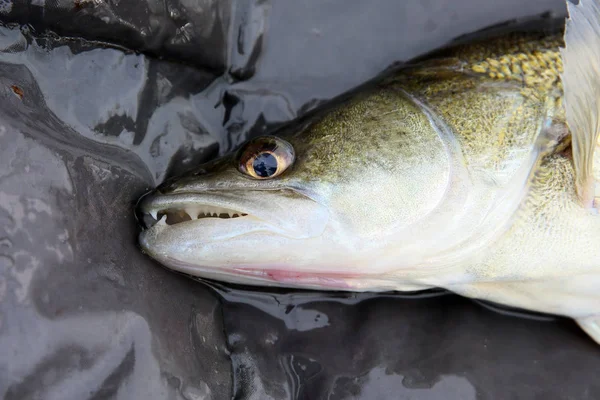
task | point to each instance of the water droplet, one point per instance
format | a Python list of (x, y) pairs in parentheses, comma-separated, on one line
[(5, 242), (196, 393)]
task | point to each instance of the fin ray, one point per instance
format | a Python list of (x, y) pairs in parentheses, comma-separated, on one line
[(581, 82)]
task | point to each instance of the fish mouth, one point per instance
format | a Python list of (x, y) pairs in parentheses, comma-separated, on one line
[(274, 210), (217, 234), (155, 209), (174, 215), (209, 235)]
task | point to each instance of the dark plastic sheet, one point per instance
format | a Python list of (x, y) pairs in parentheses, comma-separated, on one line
[(186, 30), (87, 127)]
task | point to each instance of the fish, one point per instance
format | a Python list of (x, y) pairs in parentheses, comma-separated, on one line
[(473, 170)]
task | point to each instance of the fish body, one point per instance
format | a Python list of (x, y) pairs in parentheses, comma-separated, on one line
[(472, 171)]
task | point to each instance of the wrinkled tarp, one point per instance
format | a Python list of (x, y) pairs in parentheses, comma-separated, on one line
[(91, 117)]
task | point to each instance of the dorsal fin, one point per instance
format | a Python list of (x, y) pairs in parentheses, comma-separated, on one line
[(581, 83)]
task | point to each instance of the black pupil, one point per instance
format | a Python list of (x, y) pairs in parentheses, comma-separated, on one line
[(265, 165)]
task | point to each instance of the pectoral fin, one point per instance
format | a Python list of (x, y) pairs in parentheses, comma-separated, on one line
[(591, 325), (581, 83)]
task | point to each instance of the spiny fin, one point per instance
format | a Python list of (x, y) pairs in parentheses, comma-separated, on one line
[(581, 83), (591, 326)]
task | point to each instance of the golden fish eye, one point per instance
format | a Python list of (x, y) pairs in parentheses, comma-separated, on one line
[(265, 157)]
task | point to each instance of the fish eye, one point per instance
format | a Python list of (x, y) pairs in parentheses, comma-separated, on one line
[(265, 157)]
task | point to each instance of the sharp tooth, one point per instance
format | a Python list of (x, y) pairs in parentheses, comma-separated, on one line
[(162, 220), (192, 212), (154, 214), (228, 213)]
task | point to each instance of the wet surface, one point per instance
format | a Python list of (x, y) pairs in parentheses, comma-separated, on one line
[(427, 346), (86, 128)]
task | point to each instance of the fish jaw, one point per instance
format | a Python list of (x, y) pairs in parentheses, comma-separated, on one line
[(267, 234), (289, 276), (227, 260), (280, 238)]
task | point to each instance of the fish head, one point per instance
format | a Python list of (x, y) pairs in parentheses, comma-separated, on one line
[(309, 209)]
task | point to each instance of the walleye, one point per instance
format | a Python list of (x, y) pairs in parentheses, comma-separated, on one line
[(473, 171)]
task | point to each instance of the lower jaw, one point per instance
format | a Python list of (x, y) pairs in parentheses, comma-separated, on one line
[(266, 276)]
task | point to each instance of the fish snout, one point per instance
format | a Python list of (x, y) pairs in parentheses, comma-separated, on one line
[(144, 219)]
